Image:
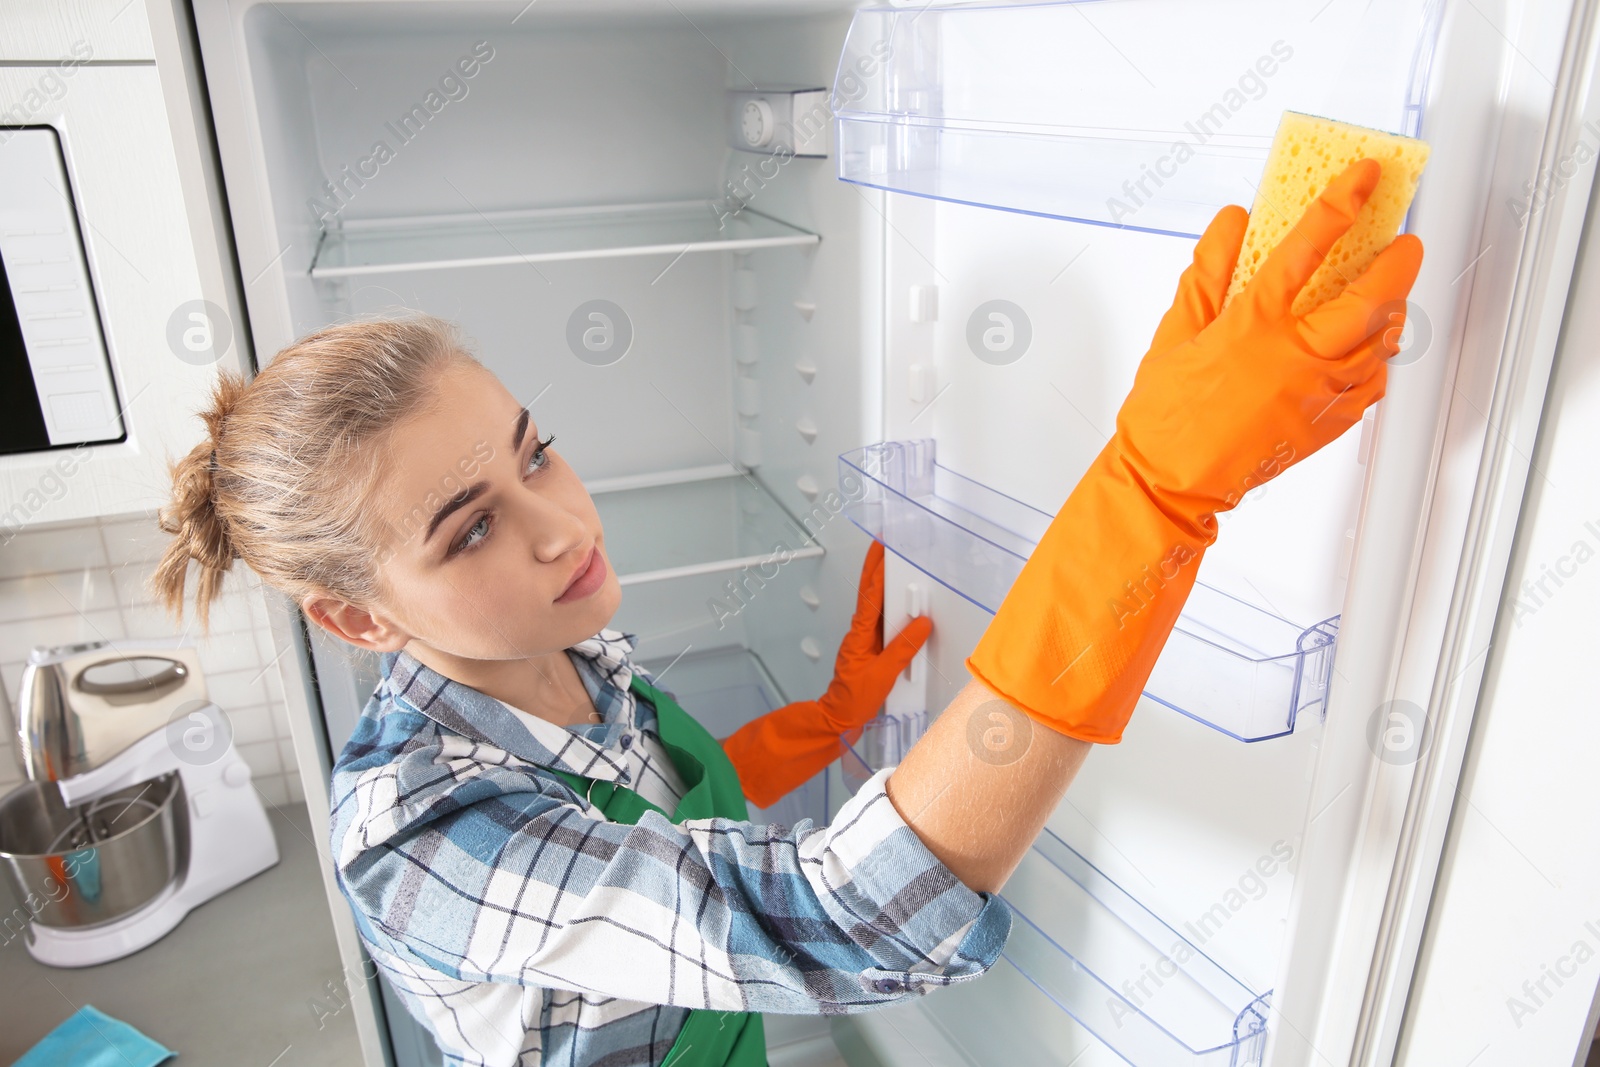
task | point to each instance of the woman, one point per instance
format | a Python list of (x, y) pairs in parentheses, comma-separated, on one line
[(550, 860)]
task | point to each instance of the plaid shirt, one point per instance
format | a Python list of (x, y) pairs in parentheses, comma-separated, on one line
[(522, 927)]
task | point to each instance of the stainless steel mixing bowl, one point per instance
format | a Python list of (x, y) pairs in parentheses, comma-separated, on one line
[(93, 862)]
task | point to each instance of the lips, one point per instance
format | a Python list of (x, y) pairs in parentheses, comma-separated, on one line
[(591, 574), (579, 574)]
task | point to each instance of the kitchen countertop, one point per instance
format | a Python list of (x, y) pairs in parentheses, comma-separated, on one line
[(243, 981)]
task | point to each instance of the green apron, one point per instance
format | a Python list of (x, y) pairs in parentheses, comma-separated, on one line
[(709, 1038)]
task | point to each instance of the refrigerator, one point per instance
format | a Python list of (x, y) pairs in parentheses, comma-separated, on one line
[(784, 276)]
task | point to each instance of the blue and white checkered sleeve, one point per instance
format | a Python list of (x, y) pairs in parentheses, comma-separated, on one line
[(507, 882), (912, 925)]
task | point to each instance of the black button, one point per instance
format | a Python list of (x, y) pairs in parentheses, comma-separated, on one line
[(886, 985), (627, 741)]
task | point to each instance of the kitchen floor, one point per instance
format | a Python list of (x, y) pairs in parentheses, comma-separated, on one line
[(244, 980)]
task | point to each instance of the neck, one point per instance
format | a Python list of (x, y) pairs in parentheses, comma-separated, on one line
[(546, 685)]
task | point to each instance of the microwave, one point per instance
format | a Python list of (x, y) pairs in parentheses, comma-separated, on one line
[(56, 386)]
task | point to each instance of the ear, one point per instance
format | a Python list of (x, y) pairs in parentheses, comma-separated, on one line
[(371, 630)]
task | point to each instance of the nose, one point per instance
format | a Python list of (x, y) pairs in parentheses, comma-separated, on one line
[(549, 530)]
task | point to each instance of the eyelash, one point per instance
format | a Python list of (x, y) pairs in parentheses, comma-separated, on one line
[(536, 461)]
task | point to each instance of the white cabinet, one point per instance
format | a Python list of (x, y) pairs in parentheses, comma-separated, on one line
[(88, 71)]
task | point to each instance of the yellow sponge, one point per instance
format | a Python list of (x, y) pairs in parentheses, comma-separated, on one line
[(1308, 153)]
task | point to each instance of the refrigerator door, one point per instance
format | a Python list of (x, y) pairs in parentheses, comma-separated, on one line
[(1514, 900), (1300, 866)]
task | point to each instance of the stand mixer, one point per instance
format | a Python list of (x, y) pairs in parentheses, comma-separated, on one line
[(137, 807)]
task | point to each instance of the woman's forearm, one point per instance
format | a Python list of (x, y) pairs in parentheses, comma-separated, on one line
[(978, 787), (1223, 400)]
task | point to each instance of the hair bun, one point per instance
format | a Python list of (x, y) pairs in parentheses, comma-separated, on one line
[(199, 531), (283, 476), (225, 397)]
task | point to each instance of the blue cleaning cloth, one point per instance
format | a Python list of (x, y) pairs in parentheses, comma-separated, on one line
[(91, 1038)]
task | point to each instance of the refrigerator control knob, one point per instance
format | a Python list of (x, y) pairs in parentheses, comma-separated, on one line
[(755, 122)]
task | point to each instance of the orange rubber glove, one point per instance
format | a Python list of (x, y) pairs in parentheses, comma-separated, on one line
[(782, 749), (1220, 404)]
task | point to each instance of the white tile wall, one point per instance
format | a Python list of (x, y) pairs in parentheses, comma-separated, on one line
[(86, 581)]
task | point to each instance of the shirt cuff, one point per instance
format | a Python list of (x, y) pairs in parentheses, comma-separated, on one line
[(879, 872)]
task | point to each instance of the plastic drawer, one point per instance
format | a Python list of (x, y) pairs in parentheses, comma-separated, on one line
[(1229, 664), (1128, 977), (1096, 953), (1108, 113)]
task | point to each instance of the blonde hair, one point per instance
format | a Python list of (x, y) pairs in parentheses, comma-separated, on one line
[(282, 477)]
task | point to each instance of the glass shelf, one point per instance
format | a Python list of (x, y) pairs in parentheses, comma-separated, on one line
[(1076, 111), (437, 242), (712, 520), (1228, 664)]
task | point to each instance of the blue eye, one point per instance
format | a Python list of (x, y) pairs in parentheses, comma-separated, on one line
[(476, 533), (538, 459)]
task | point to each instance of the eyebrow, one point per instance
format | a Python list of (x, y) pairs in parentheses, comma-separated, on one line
[(522, 428), (454, 504), (476, 490)]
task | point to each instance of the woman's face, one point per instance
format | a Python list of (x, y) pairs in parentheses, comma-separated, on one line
[(492, 548)]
